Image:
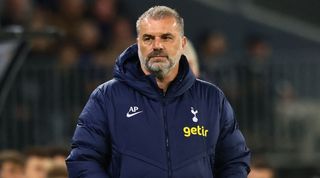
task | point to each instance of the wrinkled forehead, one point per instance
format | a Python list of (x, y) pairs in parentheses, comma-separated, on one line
[(159, 26)]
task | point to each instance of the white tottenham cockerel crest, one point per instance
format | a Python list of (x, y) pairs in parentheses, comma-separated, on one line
[(194, 112)]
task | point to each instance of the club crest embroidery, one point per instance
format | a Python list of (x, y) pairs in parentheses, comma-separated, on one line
[(194, 112)]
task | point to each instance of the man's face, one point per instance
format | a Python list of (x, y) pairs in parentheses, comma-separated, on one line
[(260, 173), (160, 45), (37, 167), (11, 170)]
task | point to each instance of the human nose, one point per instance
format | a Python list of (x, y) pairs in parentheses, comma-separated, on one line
[(157, 44)]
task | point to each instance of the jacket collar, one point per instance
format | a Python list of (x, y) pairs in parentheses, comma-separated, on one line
[(127, 69)]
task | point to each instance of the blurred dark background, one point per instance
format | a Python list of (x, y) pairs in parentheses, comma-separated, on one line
[(263, 54)]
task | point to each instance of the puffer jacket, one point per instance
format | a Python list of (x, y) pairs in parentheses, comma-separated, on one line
[(130, 128)]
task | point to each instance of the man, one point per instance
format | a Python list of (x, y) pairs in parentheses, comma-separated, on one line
[(37, 162), (261, 169), (261, 172), (57, 171), (192, 57), (154, 119), (11, 164)]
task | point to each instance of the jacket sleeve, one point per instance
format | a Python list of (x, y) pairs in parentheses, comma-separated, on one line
[(232, 156), (90, 152)]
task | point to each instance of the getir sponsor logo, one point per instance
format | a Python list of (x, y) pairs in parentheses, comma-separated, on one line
[(198, 130)]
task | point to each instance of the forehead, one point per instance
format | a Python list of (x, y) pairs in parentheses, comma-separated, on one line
[(10, 164), (159, 26)]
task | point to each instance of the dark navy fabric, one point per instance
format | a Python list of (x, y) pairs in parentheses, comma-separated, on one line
[(130, 128)]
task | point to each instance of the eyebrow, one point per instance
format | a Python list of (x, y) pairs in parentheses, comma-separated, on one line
[(147, 35), (162, 35), (166, 34)]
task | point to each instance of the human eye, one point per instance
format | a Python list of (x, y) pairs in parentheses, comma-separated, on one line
[(146, 38), (167, 37)]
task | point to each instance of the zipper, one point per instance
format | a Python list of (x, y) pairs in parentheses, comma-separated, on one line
[(166, 136)]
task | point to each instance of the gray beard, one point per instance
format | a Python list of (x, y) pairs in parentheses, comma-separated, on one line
[(159, 72)]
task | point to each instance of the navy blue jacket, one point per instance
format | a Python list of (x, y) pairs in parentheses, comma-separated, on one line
[(130, 128)]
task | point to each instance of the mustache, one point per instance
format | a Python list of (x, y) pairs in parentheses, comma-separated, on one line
[(157, 53)]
